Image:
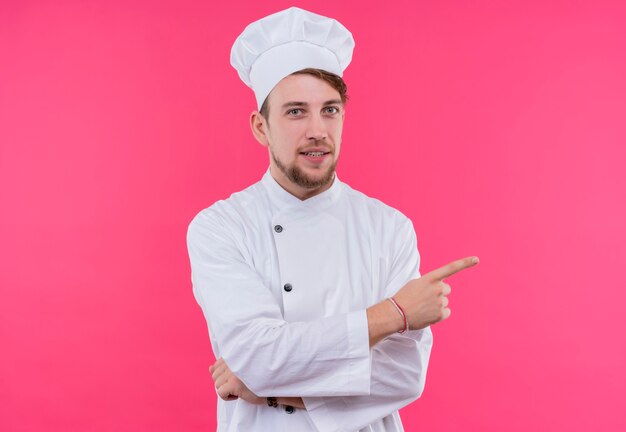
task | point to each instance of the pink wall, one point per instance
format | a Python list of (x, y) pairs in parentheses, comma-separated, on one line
[(497, 127)]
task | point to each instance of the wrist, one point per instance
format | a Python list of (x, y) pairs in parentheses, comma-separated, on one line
[(383, 320), (295, 402), (400, 310)]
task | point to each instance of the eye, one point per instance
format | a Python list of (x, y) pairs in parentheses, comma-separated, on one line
[(331, 110), (294, 112)]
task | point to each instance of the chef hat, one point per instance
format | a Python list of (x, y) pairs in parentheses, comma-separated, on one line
[(285, 42)]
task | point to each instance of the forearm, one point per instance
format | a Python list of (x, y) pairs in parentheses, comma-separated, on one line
[(278, 375), (328, 356), (399, 367), (383, 320), (295, 402)]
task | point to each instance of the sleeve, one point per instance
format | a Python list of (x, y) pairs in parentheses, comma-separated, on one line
[(398, 363), (326, 357)]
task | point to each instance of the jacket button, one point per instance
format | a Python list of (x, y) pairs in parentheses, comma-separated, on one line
[(288, 287), (289, 409), (278, 228)]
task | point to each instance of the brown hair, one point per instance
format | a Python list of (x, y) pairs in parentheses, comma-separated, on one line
[(335, 81)]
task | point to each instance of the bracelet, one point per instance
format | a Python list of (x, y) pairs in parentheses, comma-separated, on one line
[(271, 401), (401, 312)]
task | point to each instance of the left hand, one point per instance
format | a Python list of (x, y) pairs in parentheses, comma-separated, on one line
[(229, 387)]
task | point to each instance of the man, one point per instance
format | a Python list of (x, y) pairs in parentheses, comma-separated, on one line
[(315, 306)]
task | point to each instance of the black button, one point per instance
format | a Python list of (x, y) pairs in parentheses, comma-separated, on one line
[(288, 287), (278, 228), (289, 409)]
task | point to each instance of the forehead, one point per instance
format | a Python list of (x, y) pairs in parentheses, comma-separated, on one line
[(302, 88)]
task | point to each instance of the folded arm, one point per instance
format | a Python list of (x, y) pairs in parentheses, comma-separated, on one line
[(382, 322)]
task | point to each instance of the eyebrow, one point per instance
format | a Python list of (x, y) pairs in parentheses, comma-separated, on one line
[(305, 104)]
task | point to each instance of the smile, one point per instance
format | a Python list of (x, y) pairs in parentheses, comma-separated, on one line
[(315, 154)]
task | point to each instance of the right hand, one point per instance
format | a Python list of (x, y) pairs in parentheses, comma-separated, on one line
[(229, 386), (425, 300)]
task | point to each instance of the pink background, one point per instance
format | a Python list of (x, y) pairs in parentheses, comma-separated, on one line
[(497, 127)]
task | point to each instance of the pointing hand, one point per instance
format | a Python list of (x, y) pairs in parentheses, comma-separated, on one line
[(425, 300)]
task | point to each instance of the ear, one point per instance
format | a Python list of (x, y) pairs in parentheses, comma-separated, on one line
[(258, 124)]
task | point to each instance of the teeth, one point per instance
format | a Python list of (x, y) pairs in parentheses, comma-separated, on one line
[(314, 154)]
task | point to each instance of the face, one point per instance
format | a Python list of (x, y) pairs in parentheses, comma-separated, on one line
[(302, 133)]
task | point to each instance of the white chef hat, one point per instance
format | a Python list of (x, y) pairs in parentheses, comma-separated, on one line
[(280, 44)]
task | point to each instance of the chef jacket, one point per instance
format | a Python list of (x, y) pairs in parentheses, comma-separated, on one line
[(284, 285)]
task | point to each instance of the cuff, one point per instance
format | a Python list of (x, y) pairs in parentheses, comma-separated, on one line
[(329, 420), (359, 353)]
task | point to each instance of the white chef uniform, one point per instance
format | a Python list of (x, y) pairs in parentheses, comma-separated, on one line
[(284, 285)]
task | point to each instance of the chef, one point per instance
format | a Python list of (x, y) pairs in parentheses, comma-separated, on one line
[(311, 290)]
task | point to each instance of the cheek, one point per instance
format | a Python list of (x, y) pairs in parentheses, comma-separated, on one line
[(291, 137), (282, 146), (336, 132)]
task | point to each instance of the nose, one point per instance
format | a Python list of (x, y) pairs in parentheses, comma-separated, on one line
[(316, 128)]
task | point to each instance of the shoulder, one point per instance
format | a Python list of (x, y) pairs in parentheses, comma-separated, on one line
[(230, 215), (379, 214)]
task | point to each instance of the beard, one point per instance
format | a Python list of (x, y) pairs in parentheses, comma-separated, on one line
[(299, 177)]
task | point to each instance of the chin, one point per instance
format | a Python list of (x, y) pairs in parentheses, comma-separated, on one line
[(314, 181)]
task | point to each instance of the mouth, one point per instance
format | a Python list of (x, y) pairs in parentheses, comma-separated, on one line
[(315, 154)]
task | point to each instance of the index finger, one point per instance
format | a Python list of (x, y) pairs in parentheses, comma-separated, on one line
[(452, 268)]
